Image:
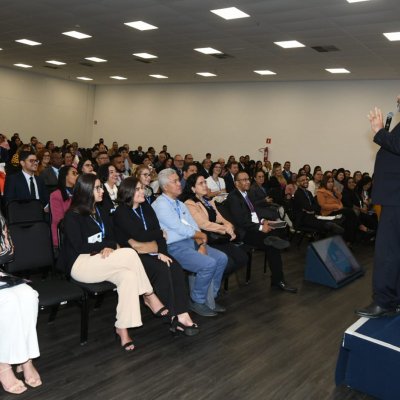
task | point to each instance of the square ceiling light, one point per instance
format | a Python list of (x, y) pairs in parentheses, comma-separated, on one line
[(230, 13), (208, 50), (76, 35), (118, 78), (23, 65), (140, 25), (265, 72), (392, 36), (28, 42), (84, 78), (159, 76), (206, 74), (290, 44), (145, 55), (337, 70), (55, 62), (95, 59)]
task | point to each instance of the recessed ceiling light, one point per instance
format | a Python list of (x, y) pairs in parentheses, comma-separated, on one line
[(206, 74), (1, 49), (142, 26), (23, 65), (208, 50), (84, 78), (144, 55), (55, 62), (355, 1), (337, 70), (393, 36), (230, 13), (77, 35), (118, 78), (95, 59), (28, 42), (159, 76), (290, 44), (265, 72)]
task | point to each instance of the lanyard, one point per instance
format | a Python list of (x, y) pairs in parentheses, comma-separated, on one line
[(207, 203), (141, 216), (174, 204), (99, 223)]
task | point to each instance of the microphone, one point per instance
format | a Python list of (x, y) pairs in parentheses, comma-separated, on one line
[(388, 120)]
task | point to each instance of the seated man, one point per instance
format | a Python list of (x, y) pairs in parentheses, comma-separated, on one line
[(50, 174), (188, 169), (229, 178), (256, 231), (188, 245), (24, 185), (305, 209)]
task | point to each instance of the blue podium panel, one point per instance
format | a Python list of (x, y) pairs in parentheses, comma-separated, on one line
[(369, 358), (329, 262)]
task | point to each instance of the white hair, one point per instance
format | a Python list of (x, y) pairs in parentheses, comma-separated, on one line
[(163, 177)]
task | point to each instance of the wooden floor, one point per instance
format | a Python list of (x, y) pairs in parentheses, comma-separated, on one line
[(269, 345)]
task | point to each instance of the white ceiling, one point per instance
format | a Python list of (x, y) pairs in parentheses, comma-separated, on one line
[(356, 29)]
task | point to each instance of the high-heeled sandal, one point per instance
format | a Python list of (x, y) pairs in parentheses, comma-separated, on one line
[(159, 313), (177, 327), (18, 386), (124, 347), (32, 382)]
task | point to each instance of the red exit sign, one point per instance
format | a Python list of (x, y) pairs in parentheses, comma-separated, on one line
[(268, 140)]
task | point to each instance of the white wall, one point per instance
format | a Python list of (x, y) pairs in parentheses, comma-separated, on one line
[(51, 109), (316, 122)]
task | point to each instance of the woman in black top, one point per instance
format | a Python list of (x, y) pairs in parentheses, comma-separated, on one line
[(137, 227), (90, 254), (108, 177)]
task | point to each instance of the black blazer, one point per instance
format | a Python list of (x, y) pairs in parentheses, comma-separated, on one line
[(50, 178), (351, 198), (107, 204), (229, 182), (77, 229), (257, 196), (240, 213), (16, 188), (129, 226), (386, 189), (301, 202)]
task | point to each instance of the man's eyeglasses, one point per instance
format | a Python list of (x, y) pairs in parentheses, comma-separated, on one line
[(243, 180), (33, 161)]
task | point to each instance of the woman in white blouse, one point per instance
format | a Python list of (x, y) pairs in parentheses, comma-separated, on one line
[(215, 184)]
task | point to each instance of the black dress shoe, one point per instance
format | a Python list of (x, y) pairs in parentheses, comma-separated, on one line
[(376, 311), (284, 287)]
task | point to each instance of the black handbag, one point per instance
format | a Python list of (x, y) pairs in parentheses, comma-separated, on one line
[(6, 244), (217, 238)]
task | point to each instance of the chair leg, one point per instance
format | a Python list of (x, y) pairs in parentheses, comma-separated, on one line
[(53, 314), (84, 319), (248, 269)]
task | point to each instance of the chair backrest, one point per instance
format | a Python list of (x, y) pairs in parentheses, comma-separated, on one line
[(25, 211), (32, 247)]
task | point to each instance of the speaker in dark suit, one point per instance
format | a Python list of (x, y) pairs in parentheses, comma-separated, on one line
[(24, 185), (386, 192)]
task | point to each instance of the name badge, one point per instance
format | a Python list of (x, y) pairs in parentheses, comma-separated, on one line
[(95, 238), (254, 218), (183, 220)]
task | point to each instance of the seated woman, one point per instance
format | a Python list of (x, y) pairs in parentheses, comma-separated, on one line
[(208, 218), (85, 166), (136, 226), (43, 157), (339, 180), (363, 188), (329, 199), (291, 187), (143, 175), (277, 184), (18, 338), (90, 254), (351, 199), (60, 199), (215, 184), (108, 177)]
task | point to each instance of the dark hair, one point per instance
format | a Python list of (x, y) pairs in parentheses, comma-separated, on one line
[(187, 166), (48, 144), (317, 168), (121, 149), (240, 172), (81, 162), (83, 198), (127, 190), (62, 180), (211, 172), (232, 163), (325, 180), (103, 172), (187, 192), (23, 155)]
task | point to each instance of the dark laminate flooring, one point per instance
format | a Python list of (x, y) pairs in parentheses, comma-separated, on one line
[(269, 345)]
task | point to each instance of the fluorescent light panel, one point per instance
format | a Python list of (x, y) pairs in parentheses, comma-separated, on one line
[(356, 1), (28, 42), (144, 55), (55, 62), (140, 25), (290, 44), (265, 72), (23, 65), (230, 13), (84, 78), (76, 35), (159, 76), (95, 59), (118, 78), (208, 50), (337, 70), (206, 74), (392, 36)]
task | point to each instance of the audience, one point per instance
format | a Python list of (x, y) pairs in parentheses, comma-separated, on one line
[(215, 184), (188, 169), (143, 174), (229, 178), (85, 166), (108, 177), (50, 174)]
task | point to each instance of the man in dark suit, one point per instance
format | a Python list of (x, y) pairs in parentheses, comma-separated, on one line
[(305, 209), (256, 231), (24, 185), (287, 173), (229, 178), (386, 192), (178, 165), (50, 174), (205, 168)]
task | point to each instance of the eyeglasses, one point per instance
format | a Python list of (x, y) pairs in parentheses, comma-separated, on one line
[(99, 188), (33, 161), (145, 174)]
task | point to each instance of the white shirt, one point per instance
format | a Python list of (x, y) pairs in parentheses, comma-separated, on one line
[(28, 181), (215, 186)]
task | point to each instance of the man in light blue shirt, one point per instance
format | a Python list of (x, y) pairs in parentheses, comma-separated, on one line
[(188, 245)]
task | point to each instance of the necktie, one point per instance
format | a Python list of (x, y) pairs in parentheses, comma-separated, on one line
[(32, 188), (249, 203)]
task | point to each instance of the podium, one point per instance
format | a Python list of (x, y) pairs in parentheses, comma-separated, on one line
[(329, 262), (369, 358)]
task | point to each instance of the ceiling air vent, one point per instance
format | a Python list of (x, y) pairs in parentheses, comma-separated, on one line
[(325, 49), (146, 61), (50, 66), (86, 64), (222, 56)]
